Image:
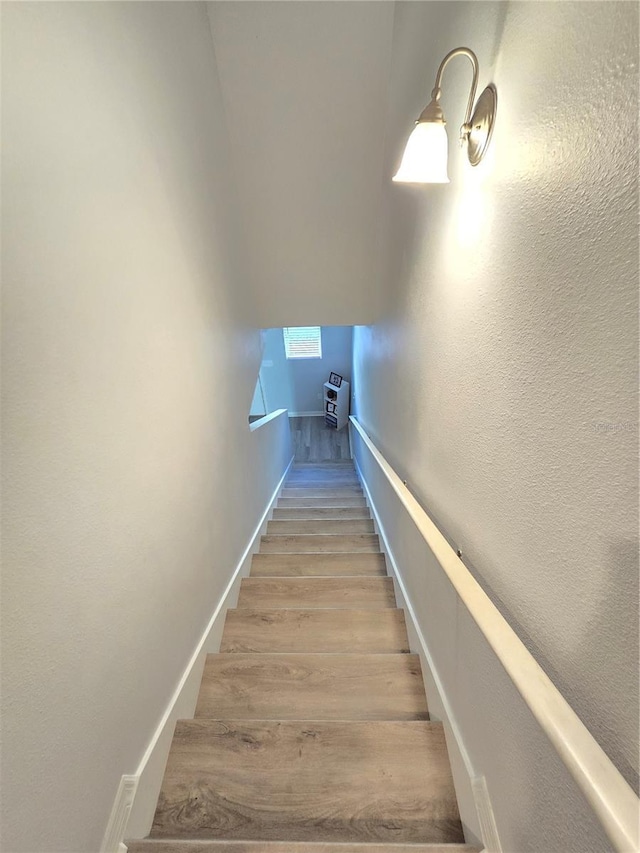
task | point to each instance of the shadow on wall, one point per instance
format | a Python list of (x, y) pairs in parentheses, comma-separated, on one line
[(258, 403), (612, 611), (612, 607), (296, 383)]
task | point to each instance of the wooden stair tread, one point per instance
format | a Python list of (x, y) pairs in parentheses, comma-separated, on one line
[(310, 565), (299, 630), (336, 473), (320, 501), (337, 465), (329, 464), (318, 469), (343, 526), (307, 482), (197, 845), (319, 491), (302, 543), (308, 781), (312, 687), (362, 593), (309, 512)]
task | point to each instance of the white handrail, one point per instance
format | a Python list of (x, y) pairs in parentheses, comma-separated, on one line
[(612, 799)]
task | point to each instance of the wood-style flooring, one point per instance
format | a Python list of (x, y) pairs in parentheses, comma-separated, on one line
[(311, 732), (314, 686), (333, 631), (313, 441)]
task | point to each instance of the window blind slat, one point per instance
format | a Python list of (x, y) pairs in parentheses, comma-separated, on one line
[(302, 341)]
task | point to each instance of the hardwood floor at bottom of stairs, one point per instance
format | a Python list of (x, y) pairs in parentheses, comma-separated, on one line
[(308, 781), (313, 441)]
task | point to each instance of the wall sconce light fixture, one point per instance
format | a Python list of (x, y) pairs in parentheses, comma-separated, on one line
[(425, 155)]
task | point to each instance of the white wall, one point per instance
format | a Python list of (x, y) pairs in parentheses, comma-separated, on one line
[(305, 87), (511, 339), (258, 406), (297, 384), (128, 373)]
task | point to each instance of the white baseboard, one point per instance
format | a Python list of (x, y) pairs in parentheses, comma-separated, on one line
[(473, 798), (137, 795), (306, 414), (116, 827), (488, 826)]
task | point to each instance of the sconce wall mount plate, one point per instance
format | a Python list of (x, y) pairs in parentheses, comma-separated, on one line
[(481, 123)]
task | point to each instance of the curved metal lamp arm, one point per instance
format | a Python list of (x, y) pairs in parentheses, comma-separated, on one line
[(473, 59)]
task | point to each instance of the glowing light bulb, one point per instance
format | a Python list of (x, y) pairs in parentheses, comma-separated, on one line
[(425, 155)]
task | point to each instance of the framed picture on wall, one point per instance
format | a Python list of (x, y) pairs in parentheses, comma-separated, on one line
[(335, 379)]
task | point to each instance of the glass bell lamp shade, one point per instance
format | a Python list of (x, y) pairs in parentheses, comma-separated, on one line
[(425, 156)]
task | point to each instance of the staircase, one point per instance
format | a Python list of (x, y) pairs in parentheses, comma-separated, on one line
[(311, 732)]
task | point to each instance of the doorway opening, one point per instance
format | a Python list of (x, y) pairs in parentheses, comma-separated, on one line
[(307, 370)]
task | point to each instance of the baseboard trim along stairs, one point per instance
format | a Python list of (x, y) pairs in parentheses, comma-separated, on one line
[(137, 794), (471, 789), (311, 731)]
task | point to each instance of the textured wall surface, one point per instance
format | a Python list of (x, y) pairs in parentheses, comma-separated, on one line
[(296, 384), (127, 378), (503, 384)]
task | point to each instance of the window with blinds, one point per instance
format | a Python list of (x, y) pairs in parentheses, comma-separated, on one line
[(302, 341)]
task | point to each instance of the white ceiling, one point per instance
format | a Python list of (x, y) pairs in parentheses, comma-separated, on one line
[(305, 88)]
